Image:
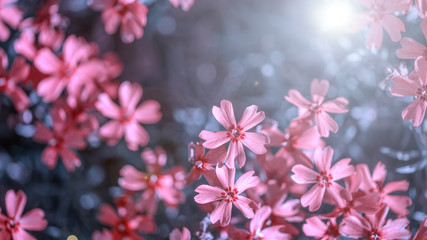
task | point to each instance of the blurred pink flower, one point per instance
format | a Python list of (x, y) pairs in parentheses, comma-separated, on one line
[(48, 24), (413, 86), (126, 117), (315, 227), (375, 183), (412, 49), (317, 110), (379, 16), (296, 138), (63, 137), (177, 235), (324, 179), (131, 15), (156, 182), (9, 81), (257, 229), (25, 45), (127, 225), (375, 227), (14, 225), (62, 71), (203, 162), (185, 4), (11, 15), (236, 134), (227, 193)]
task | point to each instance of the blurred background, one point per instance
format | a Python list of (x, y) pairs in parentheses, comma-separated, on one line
[(249, 52)]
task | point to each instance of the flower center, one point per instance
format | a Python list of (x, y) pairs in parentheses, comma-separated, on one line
[(154, 178), (12, 223), (236, 134), (121, 227), (422, 93), (230, 195), (199, 164), (375, 236), (2, 81), (257, 236), (376, 12), (325, 180)]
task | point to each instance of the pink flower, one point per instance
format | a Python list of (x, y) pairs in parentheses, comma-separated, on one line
[(412, 49), (317, 110), (25, 45), (324, 179), (127, 117), (414, 86), (127, 225), (422, 231), (60, 140), (227, 194), (131, 15), (236, 134), (15, 224), (11, 15), (422, 8), (48, 24), (297, 137), (177, 235), (257, 229), (63, 71), (375, 183), (375, 227), (315, 227), (185, 4), (379, 16), (9, 81), (163, 184), (203, 162), (357, 201)]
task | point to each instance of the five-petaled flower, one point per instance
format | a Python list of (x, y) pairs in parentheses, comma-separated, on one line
[(317, 110), (236, 134), (324, 179), (14, 225), (413, 86), (127, 117), (227, 193)]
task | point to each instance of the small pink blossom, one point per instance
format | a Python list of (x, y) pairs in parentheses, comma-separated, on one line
[(315, 227), (131, 15), (412, 49), (324, 179), (227, 194), (126, 225), (155, 182), (14, 224), (184, 4), (203, 162), (380, 15), (413, 86), (375, 227), (10, 15), (317, 110), (375, 183), (257, 229), (9, 81), (236, 134), (63, 71), (177, 235), (297, 137), (60, 139), (127, 116), (48, 24)]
